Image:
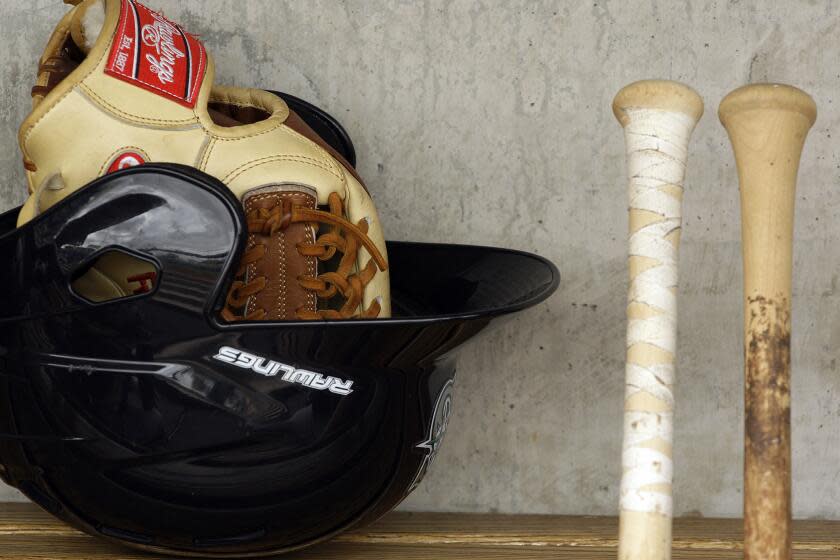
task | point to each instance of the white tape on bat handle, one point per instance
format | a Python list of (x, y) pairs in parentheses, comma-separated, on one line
[(657, 144)]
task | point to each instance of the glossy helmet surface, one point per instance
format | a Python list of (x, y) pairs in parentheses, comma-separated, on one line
[(148, 421)]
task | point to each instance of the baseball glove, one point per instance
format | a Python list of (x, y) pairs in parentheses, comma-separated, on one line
[(120, 85)]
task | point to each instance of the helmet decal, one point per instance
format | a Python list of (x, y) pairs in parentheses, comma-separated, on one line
[(271, 368), (437, 430)]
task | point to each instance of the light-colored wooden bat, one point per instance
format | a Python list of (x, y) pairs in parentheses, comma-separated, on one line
[(767, 125), (658, 118)]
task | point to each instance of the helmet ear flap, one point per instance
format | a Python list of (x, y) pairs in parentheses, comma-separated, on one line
[(117, 238)]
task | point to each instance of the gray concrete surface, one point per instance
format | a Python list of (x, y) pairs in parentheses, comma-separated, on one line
[(489, 122)]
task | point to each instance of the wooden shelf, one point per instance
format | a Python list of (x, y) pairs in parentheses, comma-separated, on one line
[(27, 533)]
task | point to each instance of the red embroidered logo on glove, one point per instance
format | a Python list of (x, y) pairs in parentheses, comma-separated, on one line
[(157, 55), (125, 160)]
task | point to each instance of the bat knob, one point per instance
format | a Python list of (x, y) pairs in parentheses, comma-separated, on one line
[(663, 95), (767, 97)]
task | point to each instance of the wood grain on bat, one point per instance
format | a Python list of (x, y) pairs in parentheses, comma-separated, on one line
[(767, 125)]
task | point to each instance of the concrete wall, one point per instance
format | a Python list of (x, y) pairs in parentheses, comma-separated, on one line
[(489, 122)]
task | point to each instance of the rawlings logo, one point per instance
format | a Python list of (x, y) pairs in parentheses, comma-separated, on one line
[(155, 54), (270, 368), (161, 36), (126, 159)]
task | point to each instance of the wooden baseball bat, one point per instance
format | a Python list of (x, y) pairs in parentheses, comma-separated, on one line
[(658, 118), (767, 125)]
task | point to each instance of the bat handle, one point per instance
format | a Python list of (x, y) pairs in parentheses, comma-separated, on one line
[(767, 125), (658, 118)]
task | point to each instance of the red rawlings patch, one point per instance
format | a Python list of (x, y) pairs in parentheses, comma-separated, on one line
[(157, 55)]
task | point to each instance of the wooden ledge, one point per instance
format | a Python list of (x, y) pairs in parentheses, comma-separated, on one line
[(27, 533)]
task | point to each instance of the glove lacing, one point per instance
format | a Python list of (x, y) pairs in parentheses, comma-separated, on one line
[(342, 237)]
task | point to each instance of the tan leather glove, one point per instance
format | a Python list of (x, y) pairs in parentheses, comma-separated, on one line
[(120, 85)]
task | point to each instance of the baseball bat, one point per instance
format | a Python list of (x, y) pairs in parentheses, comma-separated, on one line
[(767, 125), (658, 118)]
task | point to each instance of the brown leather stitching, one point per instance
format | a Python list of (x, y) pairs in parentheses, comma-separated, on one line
[(283, 272), (342, 237)]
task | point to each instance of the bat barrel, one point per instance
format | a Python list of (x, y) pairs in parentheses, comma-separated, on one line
[(767, 125), (658, 118)]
